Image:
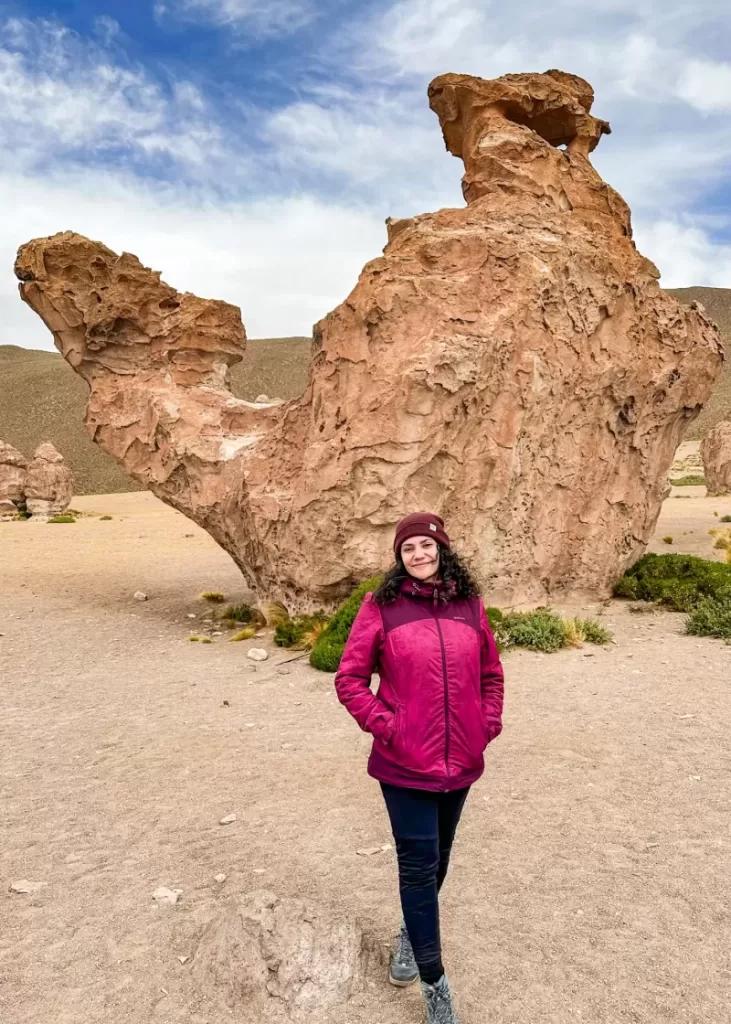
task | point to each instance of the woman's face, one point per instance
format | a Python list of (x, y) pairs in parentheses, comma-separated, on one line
[(420, 556)]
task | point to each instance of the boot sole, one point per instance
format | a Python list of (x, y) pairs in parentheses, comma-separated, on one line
[(402, 984)]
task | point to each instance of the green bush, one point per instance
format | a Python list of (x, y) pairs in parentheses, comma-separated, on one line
[(679, 582), (544, 630), (667, 540), (693, 480), (711, 617), (494, 617), (540, 630), (592, 632), (726, 519), (294, 632), (328, 649), (62, 519), (236, 613)]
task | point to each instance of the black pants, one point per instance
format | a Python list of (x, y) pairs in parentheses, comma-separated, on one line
[(423, 825)]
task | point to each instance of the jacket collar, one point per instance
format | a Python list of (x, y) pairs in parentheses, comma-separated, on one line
[(436, 590)]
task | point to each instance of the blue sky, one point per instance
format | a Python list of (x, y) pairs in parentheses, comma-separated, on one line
[(251, 149)]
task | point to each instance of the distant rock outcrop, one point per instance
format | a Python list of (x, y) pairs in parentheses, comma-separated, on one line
[(44, 486), (512, 365), (49, 485), (13, 471), (716, 455)]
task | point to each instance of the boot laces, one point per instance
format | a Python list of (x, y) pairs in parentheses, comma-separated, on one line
[(404, 952)]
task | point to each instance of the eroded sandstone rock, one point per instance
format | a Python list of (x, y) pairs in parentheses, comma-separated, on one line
[(716, 455), (49, 485), (13, 471), (265, 959), (513, 366)]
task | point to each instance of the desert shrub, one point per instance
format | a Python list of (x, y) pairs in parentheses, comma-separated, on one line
[(23, 516), (539, 630), (726, 519), (723, 539), (104, 518), (244, 634), (593, 633), (62, 519), (302, 632), (494, 616), (233, 614), (678, 581), (195, 639), (667, 540), (692, 480), (328, 650), (711, 617), (213, 596)]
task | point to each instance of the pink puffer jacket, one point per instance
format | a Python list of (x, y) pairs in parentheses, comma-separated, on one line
[(440, 698)]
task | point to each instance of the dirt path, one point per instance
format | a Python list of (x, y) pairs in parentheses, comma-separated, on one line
[(590, 877)]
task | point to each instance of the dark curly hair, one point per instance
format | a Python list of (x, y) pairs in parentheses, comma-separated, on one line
[(451, 570)]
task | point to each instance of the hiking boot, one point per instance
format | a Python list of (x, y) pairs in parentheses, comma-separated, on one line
[(438, 999), (403, 966)]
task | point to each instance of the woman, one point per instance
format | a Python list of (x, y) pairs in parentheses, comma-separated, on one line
[(438, 705)]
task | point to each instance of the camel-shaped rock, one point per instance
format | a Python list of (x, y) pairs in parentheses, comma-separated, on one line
[(512, 365)]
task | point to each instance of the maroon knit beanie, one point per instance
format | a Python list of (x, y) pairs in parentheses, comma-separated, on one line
[(420, 524)]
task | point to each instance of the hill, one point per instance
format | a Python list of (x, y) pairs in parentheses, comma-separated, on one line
[(42, 399)]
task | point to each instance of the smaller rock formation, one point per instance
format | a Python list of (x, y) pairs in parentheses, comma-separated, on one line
[(44, 486), (285, 960), (49, 485), (13, 469), (716, 455)]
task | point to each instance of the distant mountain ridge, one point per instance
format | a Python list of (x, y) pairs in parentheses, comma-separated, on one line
[(42, 399)]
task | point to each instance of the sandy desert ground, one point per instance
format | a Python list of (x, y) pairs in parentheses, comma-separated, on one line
[(590, 879)]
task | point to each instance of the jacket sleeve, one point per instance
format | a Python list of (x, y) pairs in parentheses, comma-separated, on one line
[(491, 679), (353, 678)]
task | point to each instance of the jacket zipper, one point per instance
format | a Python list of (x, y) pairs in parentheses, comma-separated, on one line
[(446, 696)]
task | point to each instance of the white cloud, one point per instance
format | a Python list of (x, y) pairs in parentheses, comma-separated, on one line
[(264, 17), (685, 254), (357, 146), (61, 95), (286, 263), (706, 85)]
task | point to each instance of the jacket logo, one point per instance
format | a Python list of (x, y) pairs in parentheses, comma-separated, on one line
[(459, 618)]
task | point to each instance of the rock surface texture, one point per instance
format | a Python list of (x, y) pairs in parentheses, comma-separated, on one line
[(49, 485), (716, 455), (270, 959), (512, 365), (13, 470)]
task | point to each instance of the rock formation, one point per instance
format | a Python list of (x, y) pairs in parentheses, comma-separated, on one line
[(283, 960), (49, 486), (512, 365), (716, 455), (13, 469), (44, 486)]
